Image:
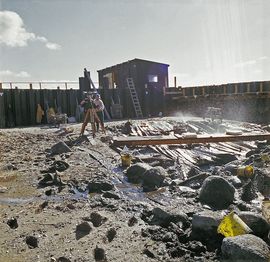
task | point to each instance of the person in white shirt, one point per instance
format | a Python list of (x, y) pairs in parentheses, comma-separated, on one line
[(99, 105)]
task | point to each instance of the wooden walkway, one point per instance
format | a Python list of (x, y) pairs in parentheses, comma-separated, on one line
[(178, 139)]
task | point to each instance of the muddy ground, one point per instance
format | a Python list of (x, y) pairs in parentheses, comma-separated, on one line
[(114, 216)]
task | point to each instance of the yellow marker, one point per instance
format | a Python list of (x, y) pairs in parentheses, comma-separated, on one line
[(126, 160), (245, 171), (232, 225)]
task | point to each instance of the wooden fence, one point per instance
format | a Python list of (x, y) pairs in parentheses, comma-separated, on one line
[(18, 107)]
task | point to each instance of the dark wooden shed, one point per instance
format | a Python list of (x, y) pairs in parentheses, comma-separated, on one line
[(150, 80)]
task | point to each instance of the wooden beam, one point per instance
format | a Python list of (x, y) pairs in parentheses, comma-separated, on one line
[(169, 140)]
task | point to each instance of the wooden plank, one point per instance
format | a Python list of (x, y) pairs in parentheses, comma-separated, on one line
[(2, 109), (168, 140), (32, 107), (18, 109)]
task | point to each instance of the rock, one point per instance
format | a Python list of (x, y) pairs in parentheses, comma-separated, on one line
[(149, 253), (3, 189), (197, 247), (235, 181), (153, 178), (41, 207), (248, 191), (105, 139), (135, 172), (217, 192), (164, 218), (99, 254), (224, 158), (245, 248), (111, 233), (170, 237), (12, 222), (204, 226), (256, 222), (97, 185), (132, 221), (82, 230), (60, 148), (31, 241), (178, 251), (97, 219), (60, 165), (110, 194), (63, 259), (49, 180)]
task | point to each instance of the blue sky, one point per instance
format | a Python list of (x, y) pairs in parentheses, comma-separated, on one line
[(204, 41)]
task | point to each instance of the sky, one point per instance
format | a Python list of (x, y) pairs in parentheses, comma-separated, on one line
[(205, 42)]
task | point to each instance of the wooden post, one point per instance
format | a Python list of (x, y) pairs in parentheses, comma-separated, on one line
[(224, 89), (30, 86), (39, 85), (175, 84), (261, 87), (248, 88), (66, 86), (203, 91), (10, 84), (1, 86), (236, 89), (184, 92)]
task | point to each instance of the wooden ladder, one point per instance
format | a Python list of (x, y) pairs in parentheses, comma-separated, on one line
[(134, 97)]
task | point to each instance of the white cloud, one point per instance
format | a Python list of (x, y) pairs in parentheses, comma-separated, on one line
[(14, 34), (263, 58), (8, 73), (246, 63), (53, 46)]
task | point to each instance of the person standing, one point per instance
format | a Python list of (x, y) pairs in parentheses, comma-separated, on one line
[(89, 111), (100, 112)]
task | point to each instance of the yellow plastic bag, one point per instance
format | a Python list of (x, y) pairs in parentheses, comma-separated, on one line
[(232, 225)]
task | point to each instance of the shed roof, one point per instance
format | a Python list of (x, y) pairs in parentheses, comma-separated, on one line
[(133, 60)]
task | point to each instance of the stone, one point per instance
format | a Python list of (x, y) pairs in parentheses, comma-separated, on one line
[(256, 222), (204, 226), (135, 172), (149, 253), (60, 148), (99, 254), (197, 247), (164, 218), (63, 259), (224, 158), (60, 165), (111, 233), (97, 185), (217, 192), (235, 181), (112, 195), (12, 222), (153, 178), (245, 248), (50, 180), (132, 221), (82, 230), (31, 241), (97, 219), (3, 189), (248, 191)]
